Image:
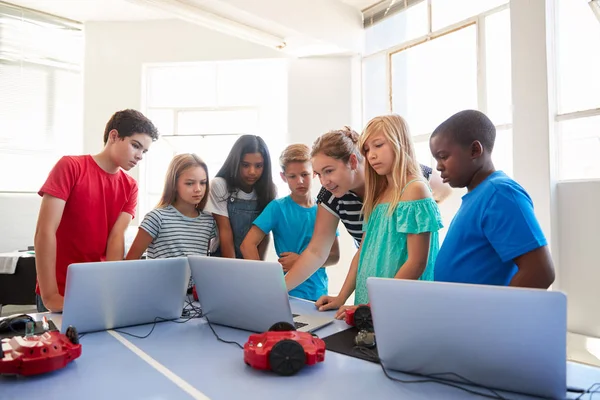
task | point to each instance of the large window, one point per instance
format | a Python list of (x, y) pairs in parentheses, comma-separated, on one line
[(40, 95), (578, 72), (426, 66), (204, 107)]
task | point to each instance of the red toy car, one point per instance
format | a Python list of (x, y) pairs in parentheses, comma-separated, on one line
[(38, 354), (360, 317), (283, 350)]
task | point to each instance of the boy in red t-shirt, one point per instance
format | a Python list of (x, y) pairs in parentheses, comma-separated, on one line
[(87, 204)]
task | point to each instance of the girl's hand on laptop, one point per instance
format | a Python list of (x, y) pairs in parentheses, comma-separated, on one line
[(287, 260), (329, 303)]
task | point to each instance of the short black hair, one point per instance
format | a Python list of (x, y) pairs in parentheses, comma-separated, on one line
[(230, 171), (127, 122), (467, 126)]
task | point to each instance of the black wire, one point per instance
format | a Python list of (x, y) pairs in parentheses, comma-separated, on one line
[(194, 312), (219, 338), (372, 356), (591, 391), (441, 382)]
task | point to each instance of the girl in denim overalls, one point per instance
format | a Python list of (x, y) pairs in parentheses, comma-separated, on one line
[(240, 191)]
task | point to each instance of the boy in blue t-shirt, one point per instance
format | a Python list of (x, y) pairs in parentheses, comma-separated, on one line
[(494, 238), (292, 221)]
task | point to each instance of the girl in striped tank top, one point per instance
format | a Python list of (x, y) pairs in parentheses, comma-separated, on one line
[(178, 226)]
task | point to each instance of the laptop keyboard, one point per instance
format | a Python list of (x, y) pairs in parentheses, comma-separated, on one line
[(298, 325)]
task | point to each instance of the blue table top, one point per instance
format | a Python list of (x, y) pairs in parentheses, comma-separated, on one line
[(190, 351)]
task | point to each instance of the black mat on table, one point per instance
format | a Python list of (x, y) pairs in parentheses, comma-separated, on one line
[(343, 343)]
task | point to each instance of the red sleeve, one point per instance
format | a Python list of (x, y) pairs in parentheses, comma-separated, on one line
[(62, 178), (131, 204)]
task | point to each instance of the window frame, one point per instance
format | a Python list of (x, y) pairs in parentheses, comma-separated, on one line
[(565, 116), (48, 66), (482, 93)]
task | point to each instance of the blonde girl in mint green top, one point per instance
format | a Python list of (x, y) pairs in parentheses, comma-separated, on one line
[(401, 219), (385, 246)]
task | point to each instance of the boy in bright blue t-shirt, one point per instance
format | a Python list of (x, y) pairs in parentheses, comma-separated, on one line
[(292, 221), (494, 238)]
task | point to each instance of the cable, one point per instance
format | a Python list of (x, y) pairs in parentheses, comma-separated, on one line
[(591, 391), (190, 310), (441, 382), (372, 356), (220, 339)]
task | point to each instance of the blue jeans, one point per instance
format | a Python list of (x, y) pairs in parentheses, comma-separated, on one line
[(40, 304)]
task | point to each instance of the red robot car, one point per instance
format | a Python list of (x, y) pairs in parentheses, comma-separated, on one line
[(283, 350), (360, 317), (38, 354)]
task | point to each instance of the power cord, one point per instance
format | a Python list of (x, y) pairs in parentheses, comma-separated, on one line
[(219, 338), (372, 356), (190, 310), (595, 388)]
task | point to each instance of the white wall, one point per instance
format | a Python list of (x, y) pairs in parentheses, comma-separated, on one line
[(324, 93), (18, 216), (115, 52), (579, 221)]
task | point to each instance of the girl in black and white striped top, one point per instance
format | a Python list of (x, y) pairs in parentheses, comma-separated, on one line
[(337, 161), (178, 227)]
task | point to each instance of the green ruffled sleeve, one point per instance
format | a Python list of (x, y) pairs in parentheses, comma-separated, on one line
[(418, 216)]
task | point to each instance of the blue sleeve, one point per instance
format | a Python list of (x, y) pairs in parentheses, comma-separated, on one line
[(267, 220), (510, 225)]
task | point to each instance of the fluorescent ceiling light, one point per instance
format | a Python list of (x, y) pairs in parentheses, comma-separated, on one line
[(595, 5), (213, 21)]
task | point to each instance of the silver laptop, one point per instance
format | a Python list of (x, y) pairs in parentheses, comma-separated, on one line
[(497, 337), (245, 294), (107, 295)]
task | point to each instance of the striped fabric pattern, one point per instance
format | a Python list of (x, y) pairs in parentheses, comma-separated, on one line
[(175, 235), (347, 208)]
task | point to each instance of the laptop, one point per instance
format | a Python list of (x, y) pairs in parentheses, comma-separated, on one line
[(509, 339), (108, 295), (246, 294)]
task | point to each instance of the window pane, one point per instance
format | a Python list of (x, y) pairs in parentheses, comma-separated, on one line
[(502, 154), (580, 146), (498, 67), (578, 38), (217, 122), (448, 12), (375, 87), (398, 28), (435, 79), (23, 106), (156, 164), (182, 86), (423, 153), (164, 120), (212, 149)]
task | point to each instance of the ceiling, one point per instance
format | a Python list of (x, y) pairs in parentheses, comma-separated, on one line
[(118, 10), (360, 4), (304, 26), (92, 10)]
